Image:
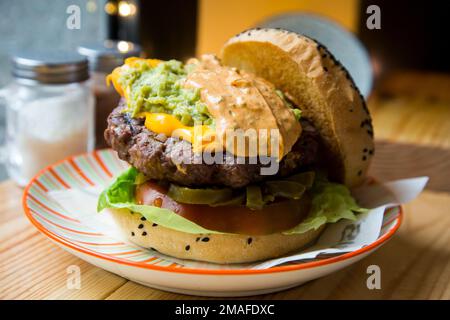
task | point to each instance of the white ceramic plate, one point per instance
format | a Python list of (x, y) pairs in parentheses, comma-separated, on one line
[(143, 266)]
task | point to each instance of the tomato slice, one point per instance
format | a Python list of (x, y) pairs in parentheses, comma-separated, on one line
[(276, 217)]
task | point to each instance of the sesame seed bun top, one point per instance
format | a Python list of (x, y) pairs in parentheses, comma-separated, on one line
[(319, 85)]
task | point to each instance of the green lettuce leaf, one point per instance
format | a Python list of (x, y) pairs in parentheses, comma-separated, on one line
[(331, 202), (120, 195), (120, 191)]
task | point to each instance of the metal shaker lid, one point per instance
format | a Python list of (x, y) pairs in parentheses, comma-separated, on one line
[(50, 67), (105, 56)]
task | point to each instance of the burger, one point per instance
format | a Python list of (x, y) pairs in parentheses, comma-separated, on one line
[(193, 191)]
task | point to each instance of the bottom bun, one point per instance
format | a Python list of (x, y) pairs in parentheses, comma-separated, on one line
[(217, 248)]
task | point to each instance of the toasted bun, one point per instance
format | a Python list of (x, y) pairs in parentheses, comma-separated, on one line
[(217, 248), (312, 78)]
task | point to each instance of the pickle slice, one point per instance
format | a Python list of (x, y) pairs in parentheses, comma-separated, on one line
[(254, 197), (304, 178), (199, 196)]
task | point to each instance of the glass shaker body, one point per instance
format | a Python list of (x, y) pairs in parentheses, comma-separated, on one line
[(44, 124), (106, 99)]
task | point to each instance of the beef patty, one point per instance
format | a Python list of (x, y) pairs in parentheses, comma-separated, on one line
[(170, 159)]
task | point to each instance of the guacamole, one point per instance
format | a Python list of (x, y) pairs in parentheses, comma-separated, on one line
[(160, 90)]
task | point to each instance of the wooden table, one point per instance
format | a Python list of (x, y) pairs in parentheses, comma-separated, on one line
[(415, 264)]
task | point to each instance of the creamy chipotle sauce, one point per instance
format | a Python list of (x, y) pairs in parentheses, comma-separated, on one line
[(239, 100)]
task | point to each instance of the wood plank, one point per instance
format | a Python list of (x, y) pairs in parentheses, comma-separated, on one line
[(11, 197), (431, 86), (395, 160), (37, 269), (415, 121)]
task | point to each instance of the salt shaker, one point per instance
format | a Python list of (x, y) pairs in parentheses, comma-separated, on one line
[(49, 112), (103, 57)]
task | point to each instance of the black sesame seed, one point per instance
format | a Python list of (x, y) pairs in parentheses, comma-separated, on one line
[(144, 233), (132, 233), (143, 219), (197, 239), (140, 226), (371, 151), (325, 69), (249, 240), (364, 158), (365, 150), (187, 247), (153, 249), (359, 172), (351, 110), (154, 225), (205, 239)]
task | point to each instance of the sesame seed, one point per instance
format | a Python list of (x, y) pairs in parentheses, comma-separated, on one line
[(157, 202), (187, 247), (143, 219), (154, 225), (365, 150), (359, 172), (364, 158), (140, 226), (205, 239), (325, 69), (132, 233), (197, 239), (144, 233), (249, 240)]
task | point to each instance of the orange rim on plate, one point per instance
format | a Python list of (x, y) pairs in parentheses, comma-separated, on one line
[(304, 265)]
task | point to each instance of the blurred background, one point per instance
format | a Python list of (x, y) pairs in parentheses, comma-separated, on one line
[(398, 57)]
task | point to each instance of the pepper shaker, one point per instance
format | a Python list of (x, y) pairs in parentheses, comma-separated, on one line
[(103, 58)]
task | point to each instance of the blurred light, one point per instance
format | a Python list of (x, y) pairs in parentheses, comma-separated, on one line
[(124, 9), (108, 44), (133, 9), (110, 8), (91, 6), (123, 46), (377, 66)]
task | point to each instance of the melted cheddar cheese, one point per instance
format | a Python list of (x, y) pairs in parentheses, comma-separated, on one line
[(201, 137)]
